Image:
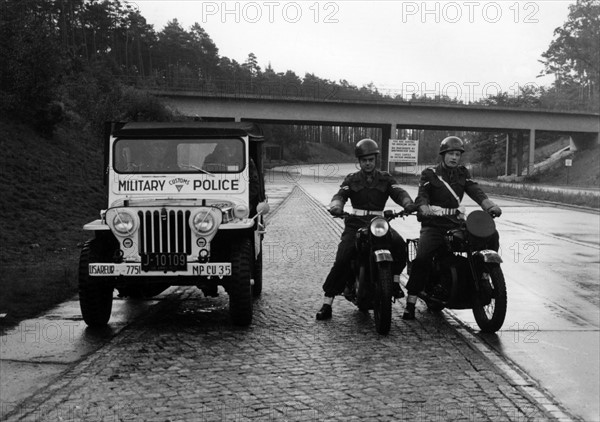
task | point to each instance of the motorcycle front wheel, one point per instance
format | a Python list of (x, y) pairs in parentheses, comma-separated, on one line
[(382, 309), (490, 316)]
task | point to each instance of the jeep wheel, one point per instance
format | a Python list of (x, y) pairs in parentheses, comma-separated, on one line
[(95, 293), (240, 286), (257, 276)]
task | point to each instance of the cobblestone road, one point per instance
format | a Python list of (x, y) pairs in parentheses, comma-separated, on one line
[(185, 362)]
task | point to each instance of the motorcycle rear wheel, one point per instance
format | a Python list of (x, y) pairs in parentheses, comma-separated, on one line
[(382, 309), (490, 317)]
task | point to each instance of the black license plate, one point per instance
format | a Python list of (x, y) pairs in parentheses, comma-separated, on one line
[(164, 262)]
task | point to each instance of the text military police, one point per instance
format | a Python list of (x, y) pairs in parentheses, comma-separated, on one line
[(441, 190), (368, 191)]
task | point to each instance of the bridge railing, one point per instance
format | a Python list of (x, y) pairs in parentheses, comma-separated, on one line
[(328, 91)]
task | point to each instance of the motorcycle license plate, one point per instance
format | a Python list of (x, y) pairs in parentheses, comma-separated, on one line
[(164, 262)]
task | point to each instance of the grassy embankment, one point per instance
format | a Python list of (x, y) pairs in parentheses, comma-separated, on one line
[(584, 173), (50, 188)]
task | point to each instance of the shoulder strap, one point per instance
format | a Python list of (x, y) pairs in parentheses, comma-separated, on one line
[(448, 186)]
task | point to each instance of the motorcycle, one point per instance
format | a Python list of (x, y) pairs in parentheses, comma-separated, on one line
[(466, 275), (372, 287)]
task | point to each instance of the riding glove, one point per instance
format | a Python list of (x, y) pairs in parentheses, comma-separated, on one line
[(491, 208), (410, 208), (336, 207)]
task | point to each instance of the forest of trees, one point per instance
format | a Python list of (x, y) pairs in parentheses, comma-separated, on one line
[(92, 59)]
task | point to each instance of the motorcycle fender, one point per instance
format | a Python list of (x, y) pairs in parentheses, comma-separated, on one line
[(489, 255), (383, 255)]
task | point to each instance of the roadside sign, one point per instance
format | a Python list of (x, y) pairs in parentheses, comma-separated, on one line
[(568, 162), (403, 151)]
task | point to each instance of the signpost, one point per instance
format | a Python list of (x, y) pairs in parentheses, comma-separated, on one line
[(568, 163), (404, 152)]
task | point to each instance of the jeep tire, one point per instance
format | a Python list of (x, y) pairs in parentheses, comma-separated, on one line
[(95, 293), (240, 284)]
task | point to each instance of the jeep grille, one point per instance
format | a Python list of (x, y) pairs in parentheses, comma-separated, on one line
[(165, 231)]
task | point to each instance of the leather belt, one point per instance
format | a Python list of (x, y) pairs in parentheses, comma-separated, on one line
[(366, 212)]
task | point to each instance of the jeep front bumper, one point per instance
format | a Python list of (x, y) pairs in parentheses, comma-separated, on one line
[(134, 269)]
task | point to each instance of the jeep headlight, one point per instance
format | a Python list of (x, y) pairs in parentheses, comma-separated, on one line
[(203, 222), (124, 223), (379, 227)]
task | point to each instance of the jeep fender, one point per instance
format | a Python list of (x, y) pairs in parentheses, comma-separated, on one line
[(96, 225)]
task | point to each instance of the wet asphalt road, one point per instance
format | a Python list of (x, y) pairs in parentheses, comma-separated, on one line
[(552, 268)]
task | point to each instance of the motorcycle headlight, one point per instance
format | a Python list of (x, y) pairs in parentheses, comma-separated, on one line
[(379, 227), (124, 223), (203, 222)]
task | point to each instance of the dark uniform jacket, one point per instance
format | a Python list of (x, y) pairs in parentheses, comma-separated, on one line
[(432, 191), (371, 195)]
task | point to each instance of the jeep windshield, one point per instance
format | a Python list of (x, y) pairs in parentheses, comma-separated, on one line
[(158, 155)]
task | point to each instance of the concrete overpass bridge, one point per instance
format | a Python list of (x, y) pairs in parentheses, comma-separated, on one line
[(582, 127)]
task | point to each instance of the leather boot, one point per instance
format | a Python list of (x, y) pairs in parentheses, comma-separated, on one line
[(324, 313), (409, 311)]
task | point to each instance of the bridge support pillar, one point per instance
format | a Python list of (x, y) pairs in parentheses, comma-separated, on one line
[(519, 153), (531, 152), (508, 160), (386, 135)]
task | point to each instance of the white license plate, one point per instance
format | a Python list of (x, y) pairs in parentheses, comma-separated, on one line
[(214, 269), (210, 269)]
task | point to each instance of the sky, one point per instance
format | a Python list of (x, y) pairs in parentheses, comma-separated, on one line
[(465, 49)]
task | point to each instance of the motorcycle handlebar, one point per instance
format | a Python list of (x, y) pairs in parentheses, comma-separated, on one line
[(388, 214)]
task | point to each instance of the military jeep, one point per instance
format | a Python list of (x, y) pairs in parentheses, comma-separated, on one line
[(186, 202)]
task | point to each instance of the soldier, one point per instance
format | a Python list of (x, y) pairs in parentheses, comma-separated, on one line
[(442, 186), (227, 156), (368, 190)]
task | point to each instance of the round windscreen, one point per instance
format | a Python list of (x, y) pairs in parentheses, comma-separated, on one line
[(480, 224)]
